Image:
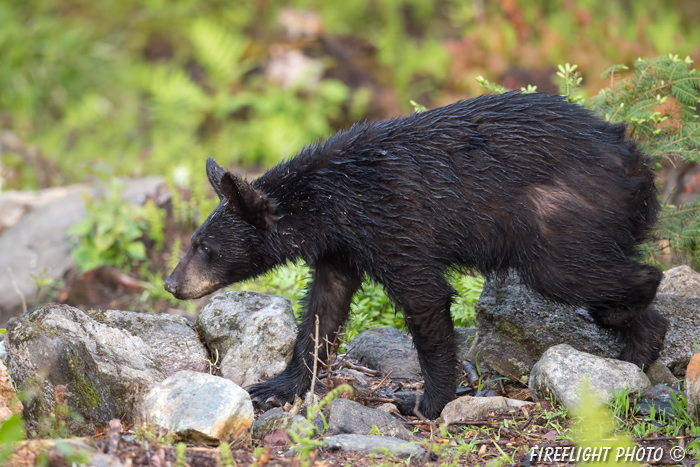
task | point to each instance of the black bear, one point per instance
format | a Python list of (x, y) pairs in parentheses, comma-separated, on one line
[(527, 182)]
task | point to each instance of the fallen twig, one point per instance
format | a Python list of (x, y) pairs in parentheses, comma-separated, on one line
[(380, 383), (369, 371)]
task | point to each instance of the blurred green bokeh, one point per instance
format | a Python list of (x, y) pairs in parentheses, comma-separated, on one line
[(152, 87)]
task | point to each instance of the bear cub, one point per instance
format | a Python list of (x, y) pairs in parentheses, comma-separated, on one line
[(523, 182)]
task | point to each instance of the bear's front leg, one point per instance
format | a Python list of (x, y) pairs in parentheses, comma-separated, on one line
[(329, 296)]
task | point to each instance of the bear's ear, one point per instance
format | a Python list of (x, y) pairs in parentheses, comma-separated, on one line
[(214, 173), (252, 205)]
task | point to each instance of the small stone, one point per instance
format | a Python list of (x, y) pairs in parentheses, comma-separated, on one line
[(656, 398), (692, 387), (681, 281), (478, 408), (3, 352), (562, 369), (352, 417), (658, 373), (200, 408), (375, 444), (252, 333), (274, 419), (388, 407)]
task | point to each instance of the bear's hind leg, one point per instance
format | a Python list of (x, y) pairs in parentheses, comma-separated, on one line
[(617, 292), (631, 311), (644, 338)]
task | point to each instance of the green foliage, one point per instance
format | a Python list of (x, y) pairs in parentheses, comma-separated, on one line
[(109, 233), (181, 455), (11, 431), (595, 428), (371, 307), (417, 108), (570, 81), (155, 220), (225, 456), (491, 87), (658, 102), (468, 292), (677, 232)]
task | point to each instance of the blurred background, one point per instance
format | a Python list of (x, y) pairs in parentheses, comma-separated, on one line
[(105, 93)]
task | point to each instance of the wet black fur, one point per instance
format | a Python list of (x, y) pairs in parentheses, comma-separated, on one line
[(527, 182)]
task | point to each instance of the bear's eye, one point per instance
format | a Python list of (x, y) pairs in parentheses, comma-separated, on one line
[(205, 249)]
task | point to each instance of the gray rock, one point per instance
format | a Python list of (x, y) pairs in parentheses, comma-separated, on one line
[(386, 349), (680, 281), (253, 334), (200, 408), (105, 369), (692, 387), (37, 241), (562, 369), (354, 418), (684, 326), (172, 338), (477, 408), (375, 444), (658, 373), (516, 326), (274, 419), (657, 397)]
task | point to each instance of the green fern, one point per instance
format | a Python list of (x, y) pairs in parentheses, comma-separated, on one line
[(219, 51), (663, 128)]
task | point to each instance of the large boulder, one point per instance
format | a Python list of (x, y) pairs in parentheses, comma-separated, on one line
[(172, 338), (99, 365), (515, 326), (35, 240), (253, 334)]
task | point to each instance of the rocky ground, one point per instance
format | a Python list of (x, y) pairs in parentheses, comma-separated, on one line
[(130, 384)]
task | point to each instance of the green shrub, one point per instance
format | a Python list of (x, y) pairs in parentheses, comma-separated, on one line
[(110, 232)]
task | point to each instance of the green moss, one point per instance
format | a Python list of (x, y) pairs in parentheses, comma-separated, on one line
[(40, 329), (507, 329), (84, 389)]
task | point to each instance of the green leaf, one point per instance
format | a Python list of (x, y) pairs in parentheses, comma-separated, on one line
[(136, 250), (11, 431)]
